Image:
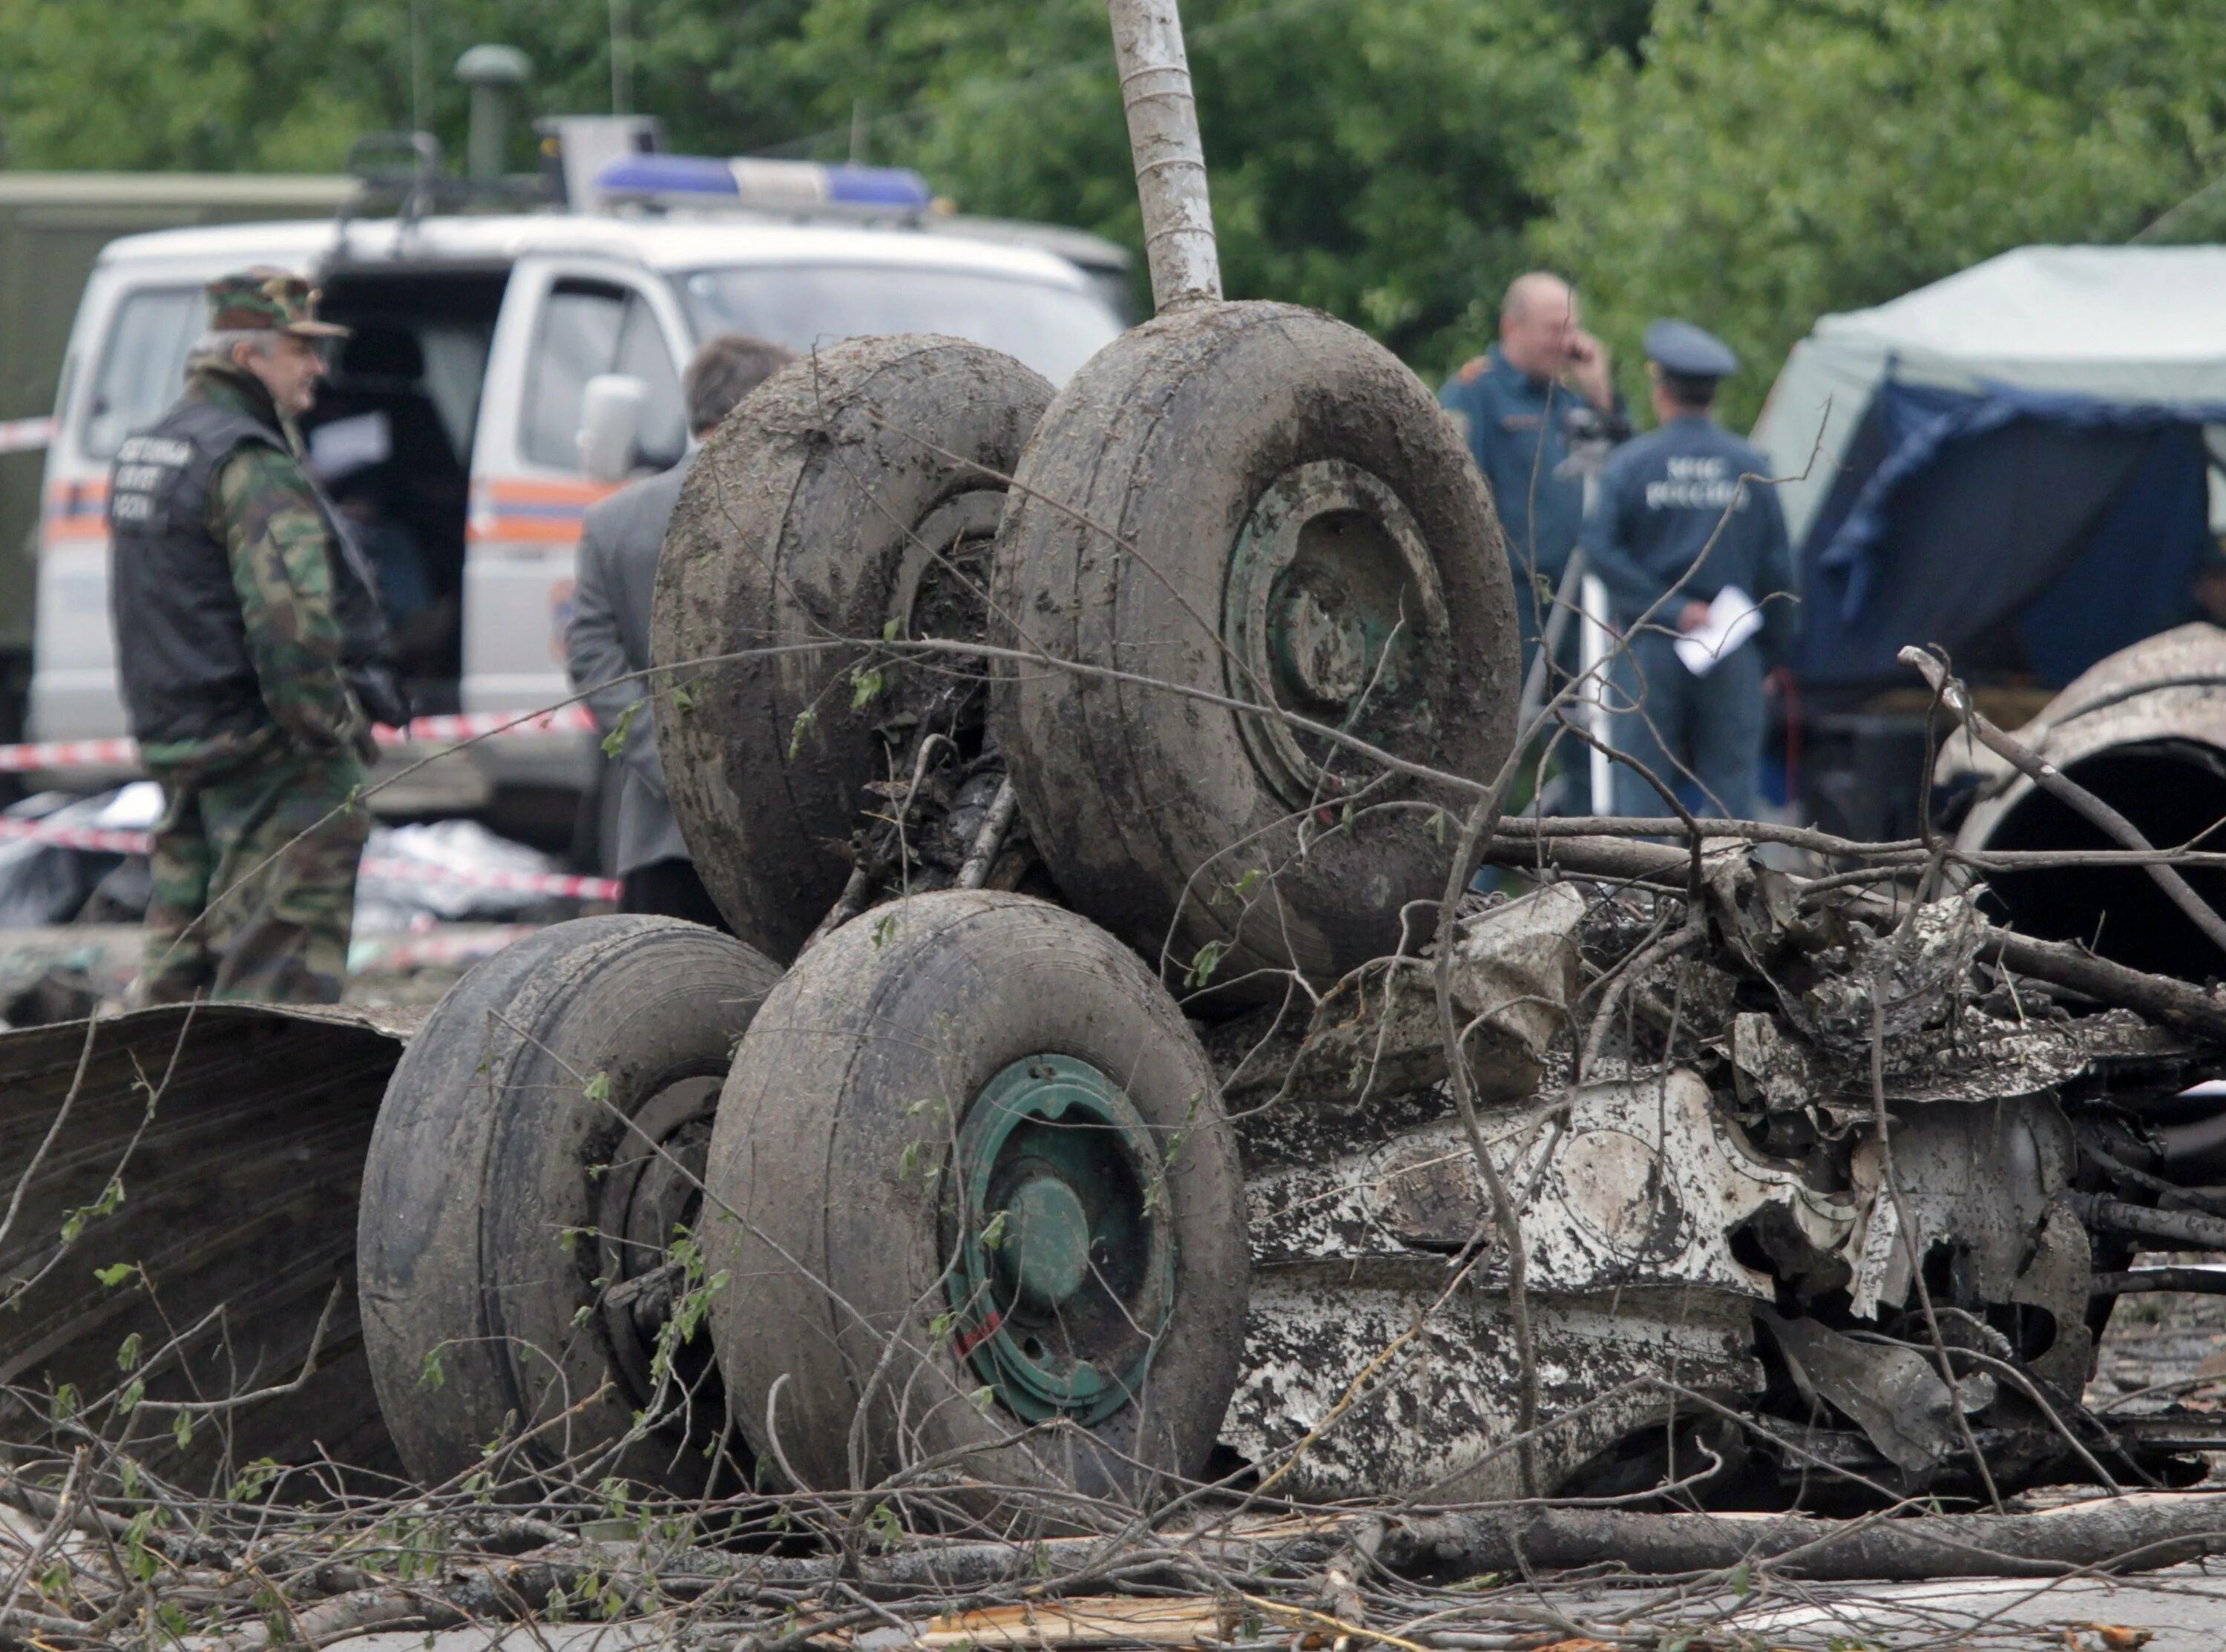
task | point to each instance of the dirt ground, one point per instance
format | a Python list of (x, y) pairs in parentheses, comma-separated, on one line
[(2160, 1350), (62, 972), (2163, 1348)]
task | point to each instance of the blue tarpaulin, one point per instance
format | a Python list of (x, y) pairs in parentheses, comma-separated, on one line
[(2028, 532)]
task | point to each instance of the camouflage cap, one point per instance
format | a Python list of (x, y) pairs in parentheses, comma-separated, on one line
[(268, 300)]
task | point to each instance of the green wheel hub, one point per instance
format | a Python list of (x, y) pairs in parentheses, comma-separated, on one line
[(1331, 610), (1062, 1246)]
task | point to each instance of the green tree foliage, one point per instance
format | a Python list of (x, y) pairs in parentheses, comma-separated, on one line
[(287, 85), (1749, 163), (1368, 156), (1766, 162)]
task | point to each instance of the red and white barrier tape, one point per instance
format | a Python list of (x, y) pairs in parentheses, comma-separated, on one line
[(414, 951), (431, 731), (387, 868), (529, 883), (25, 435), (74, 837), (472, 725)]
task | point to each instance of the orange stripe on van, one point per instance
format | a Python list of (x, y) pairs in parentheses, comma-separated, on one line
[(501, 491), (523, 530), (76, 512), (515, 510)]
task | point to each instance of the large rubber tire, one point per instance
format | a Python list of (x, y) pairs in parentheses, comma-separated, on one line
[(809, 516), (839, 1154), (508, 1189), (1152, 528)]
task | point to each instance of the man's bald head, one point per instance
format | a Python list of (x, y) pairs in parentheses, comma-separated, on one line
[(1538, 290), (1537, 320)]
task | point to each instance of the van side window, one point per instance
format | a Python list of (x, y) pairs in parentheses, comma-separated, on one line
[(578, 339), (643, 355), (587, 328), (142, 365)]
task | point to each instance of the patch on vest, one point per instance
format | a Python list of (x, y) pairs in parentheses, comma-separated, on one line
[(144, 467), (1696, 484)]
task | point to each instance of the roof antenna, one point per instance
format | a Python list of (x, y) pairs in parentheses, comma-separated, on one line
[(494, 73)]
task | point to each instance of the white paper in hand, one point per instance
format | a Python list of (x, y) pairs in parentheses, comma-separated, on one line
[(1732, 617)]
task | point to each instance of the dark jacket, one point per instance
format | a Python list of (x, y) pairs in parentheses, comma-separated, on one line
[(609, 638), (1517, 431), (1674, 524), (244, 617)]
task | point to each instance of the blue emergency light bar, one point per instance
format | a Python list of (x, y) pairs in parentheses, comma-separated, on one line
[(777, 185)]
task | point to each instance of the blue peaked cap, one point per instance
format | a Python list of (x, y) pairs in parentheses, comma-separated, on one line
[(1689, 351)]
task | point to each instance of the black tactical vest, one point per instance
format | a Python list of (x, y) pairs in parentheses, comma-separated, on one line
[(181, 643)]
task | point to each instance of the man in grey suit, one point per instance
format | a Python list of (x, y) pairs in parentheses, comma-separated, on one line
[(608, 642)]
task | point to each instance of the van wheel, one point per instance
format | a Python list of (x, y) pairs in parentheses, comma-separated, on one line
[(853, 495), (1259, 502), (973, 1177), (540, 1147)]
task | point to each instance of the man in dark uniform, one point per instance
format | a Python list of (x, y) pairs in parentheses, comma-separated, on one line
[(252, 650), (1684, 514), (1514, 404)]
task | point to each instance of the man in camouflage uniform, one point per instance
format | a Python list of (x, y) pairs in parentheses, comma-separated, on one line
[(251, 648)]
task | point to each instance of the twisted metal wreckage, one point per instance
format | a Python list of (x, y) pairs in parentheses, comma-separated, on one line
[(1825, 1195), (1780, 1189)]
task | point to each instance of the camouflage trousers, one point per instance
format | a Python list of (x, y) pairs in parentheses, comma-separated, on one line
[(254, 886)]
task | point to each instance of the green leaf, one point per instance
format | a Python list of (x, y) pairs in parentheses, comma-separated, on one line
[(1204, 964), (599, 1089), (614, 742), (884, 1527), (865, 685), (993, 1234), (254, 1480), (805, 721), (117, 1273), (127, 1353), (1741, 1580), (432, 1374), (182, 1429)]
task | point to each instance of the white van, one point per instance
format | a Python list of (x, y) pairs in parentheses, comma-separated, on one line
[(452, 416)]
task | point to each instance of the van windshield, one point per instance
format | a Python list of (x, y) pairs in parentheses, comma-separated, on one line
[(1052, 329), (143, 367)]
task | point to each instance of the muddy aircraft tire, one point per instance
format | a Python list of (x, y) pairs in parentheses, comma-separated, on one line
[(1292, 506), (898, 1093), (817, 512), (545, 1132)]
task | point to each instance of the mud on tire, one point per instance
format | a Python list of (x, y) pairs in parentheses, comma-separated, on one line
[(1261, 503), (981, 1186), (836, 500), (538, 1143)]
